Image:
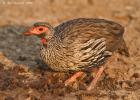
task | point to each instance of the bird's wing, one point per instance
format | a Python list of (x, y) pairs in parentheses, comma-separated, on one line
[(88, 42), (90, 54)]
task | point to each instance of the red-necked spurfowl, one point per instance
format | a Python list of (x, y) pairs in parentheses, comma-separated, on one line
[(78, 45)]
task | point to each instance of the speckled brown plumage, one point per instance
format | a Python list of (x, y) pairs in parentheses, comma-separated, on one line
[(79, 45), (68, 47)]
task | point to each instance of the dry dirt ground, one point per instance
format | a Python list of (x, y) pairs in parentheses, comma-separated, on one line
[(24, 77)]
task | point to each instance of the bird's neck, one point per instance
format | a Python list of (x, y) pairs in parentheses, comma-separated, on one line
[(49, 42)]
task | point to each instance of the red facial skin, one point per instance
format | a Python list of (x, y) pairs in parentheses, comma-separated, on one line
[(38, 31), (44, 41)]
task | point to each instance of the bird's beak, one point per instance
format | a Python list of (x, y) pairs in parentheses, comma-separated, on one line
[(28, 32)]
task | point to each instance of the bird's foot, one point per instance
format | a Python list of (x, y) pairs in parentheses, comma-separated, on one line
[(79, 74), (73, 78), (94, 81)]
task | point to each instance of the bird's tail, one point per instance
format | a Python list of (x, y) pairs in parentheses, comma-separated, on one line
[(123, 49)]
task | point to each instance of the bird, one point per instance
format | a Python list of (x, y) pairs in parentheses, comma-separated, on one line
[(78, 45)]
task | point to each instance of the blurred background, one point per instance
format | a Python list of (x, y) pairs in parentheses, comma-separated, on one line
[(15, 14), (56, 11)]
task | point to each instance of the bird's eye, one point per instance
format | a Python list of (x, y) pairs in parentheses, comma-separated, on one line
[(40, 29)]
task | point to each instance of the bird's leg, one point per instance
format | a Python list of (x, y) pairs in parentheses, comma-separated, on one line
[(94, 81), (73, 78)]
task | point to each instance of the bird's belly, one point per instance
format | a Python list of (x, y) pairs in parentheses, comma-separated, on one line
[(65, 65)]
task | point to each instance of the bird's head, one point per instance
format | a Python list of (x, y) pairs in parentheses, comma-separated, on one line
[(42, 30)]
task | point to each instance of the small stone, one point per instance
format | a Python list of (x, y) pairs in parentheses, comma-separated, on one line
[(71, 64), (136, 75), (124, 85)]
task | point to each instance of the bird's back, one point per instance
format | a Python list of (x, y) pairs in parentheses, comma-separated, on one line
[(83, 29)]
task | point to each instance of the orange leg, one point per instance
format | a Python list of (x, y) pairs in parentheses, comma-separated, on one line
[(94, 81), (73, 78)]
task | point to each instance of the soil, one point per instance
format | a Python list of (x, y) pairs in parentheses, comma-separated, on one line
[(23, 76)]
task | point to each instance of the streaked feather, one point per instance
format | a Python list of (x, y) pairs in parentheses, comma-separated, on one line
[(82, 43)]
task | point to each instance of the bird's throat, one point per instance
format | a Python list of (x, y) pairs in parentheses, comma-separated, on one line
[(44, 41)]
